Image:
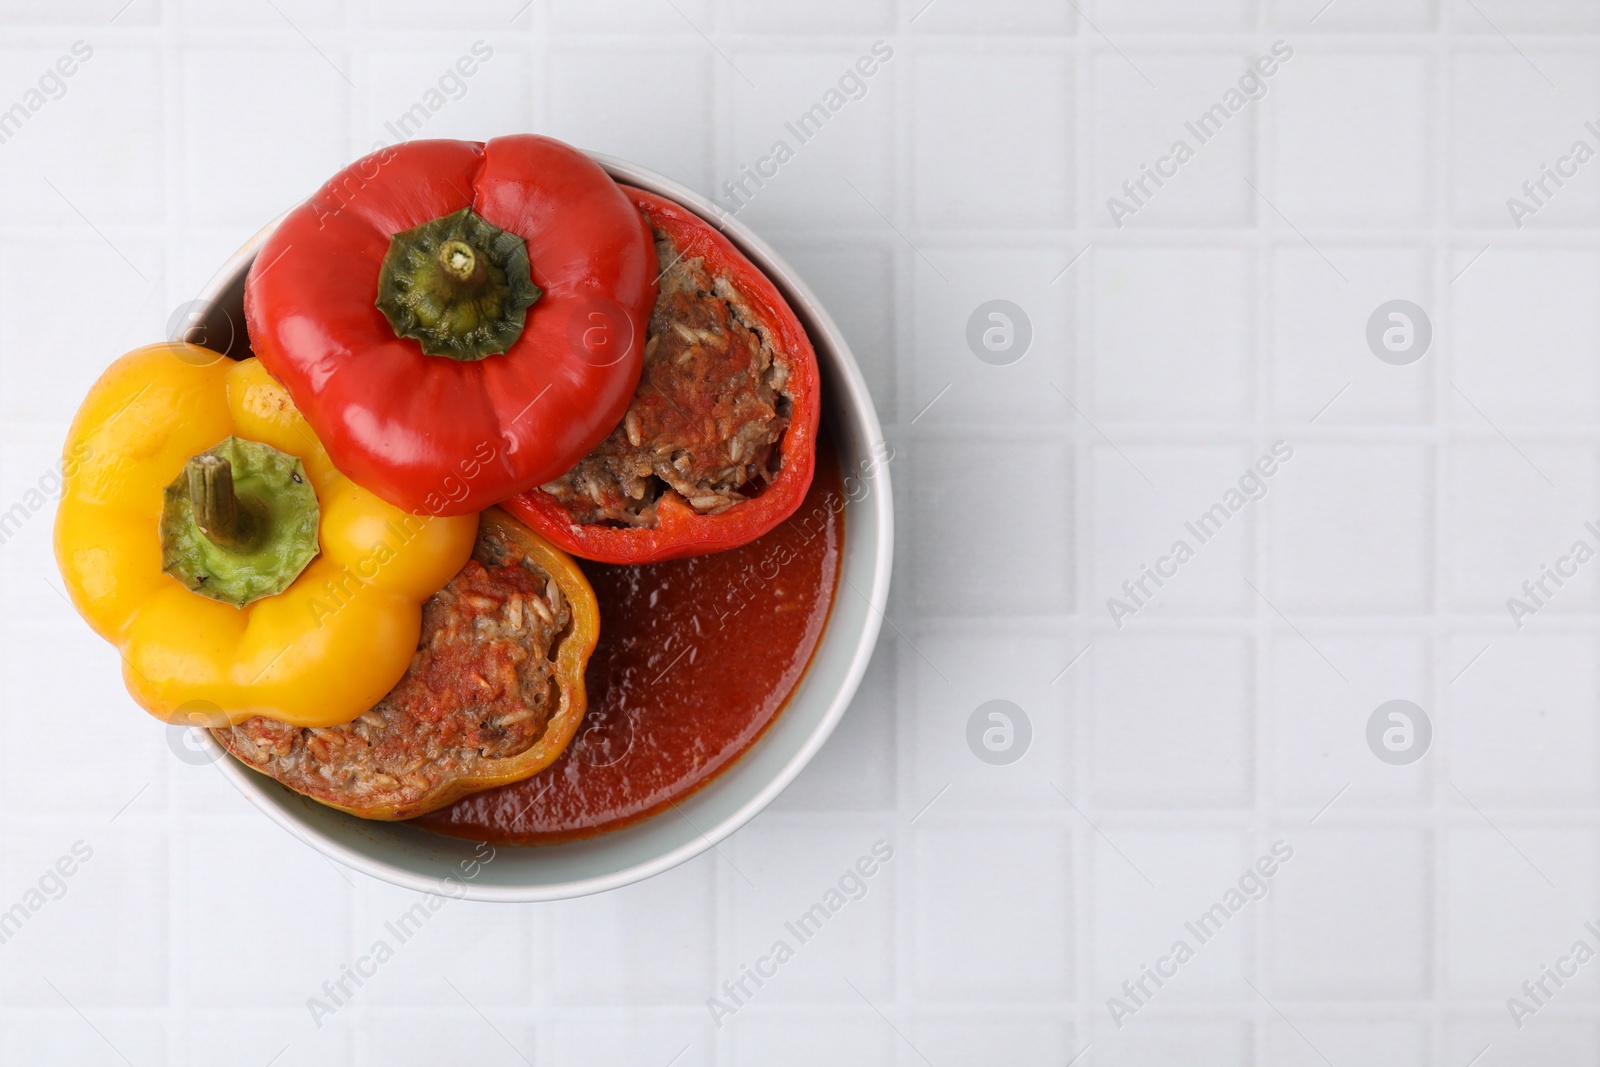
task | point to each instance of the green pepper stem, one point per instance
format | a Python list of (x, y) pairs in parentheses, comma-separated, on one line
[(216, 507), (239, 522), (460, 261), (458, 285)]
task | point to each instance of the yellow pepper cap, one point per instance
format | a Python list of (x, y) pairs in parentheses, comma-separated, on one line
[(319, 653)]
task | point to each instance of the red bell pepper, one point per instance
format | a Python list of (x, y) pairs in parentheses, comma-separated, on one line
[(458, 321), (680, 529)]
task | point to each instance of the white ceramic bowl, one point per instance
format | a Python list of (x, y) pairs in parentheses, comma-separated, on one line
[(429, 862)]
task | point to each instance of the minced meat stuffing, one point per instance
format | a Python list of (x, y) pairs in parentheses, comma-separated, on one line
[(481, 687), (707, 416)]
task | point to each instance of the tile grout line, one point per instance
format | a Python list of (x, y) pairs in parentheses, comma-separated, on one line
[(1259, 955), (903, 292), (1081, 279), (174, 227), (1442, 57)]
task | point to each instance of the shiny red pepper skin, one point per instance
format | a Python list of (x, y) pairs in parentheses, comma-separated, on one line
[(679, 530), (427, 433)]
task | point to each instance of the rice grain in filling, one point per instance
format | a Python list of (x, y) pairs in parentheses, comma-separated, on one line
[(711, 406), (481, 687)]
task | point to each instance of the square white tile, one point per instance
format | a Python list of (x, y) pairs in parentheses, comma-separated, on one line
[(1536, 16), (490, 15), (1351, 531), (1352, 160), (1163, 158), (1551, 1041), (816, 916), (1525, 301), (1169, 16), (824, 17), (126, 753), (500, 942), (961, 752), (1022, 951), (1508, 528), (462, 85), (629, 17), (1171, 720), (1154, 891), (1521, 731), (853, 1038), (595, 942), (604, 98), (965, 563), (978, 1039), (1382, 1043), (84, 116), (290, 14), (976, 359), (628, 1036), (1336, 932), (821, 122), (86, 913), (1170, 1042), (976, 164), (39, 1036), (1322, 366), (1150, 302), (1344, 16), (450, 1029), (1508, 126), (233, 868), (1318, 725), (45, 370), (1492, 945), (233, 98), (1001, 16), (1159, 551), (212, 1035)]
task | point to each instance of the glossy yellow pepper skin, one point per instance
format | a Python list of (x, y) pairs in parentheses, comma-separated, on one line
[(319, 653)]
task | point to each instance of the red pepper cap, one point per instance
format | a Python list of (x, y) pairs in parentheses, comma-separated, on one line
[(516, 402)]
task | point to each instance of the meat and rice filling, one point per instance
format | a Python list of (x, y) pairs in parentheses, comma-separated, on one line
[(481, 687), (711, 407)]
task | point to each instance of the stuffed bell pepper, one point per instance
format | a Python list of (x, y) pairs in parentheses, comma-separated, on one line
[(494, 695), (719, 442), (381, 662)]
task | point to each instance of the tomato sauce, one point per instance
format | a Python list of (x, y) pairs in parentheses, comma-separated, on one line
[(696, 658)]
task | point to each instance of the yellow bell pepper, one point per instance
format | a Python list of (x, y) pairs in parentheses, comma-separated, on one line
[(320, 652)]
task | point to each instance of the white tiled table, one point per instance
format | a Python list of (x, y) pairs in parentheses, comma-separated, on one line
[(1229, 313)]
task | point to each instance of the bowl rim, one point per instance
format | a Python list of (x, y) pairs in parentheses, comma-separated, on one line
[(851, 387)]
